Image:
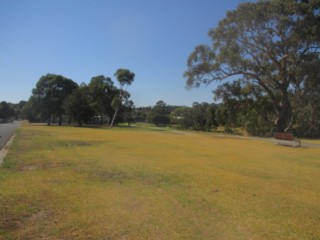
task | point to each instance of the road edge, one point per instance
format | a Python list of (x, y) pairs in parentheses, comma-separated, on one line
[(5, 149)]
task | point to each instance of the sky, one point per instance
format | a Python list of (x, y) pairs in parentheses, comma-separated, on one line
[(80, 39)]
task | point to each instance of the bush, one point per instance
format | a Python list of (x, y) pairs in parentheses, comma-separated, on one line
[(257, 126)]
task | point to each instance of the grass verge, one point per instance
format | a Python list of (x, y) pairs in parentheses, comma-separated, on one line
[(133, 183)]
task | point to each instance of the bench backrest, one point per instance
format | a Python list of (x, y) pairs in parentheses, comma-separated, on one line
[(284, 136)]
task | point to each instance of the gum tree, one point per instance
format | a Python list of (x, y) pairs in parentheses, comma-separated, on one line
[(102, 92), (125, 78), (269, 44), (50, 93)]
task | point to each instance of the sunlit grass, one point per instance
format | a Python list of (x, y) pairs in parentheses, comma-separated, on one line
[(143, 183)]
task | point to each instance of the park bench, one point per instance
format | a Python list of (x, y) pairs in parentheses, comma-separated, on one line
[(286, 139)]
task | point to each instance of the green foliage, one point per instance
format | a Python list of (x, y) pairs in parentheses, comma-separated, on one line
[(127, 111), (159, 114), (124, 76), (256, 125), (77, 105), (102, 92), (56, 96), (308, 121), (141, 114), (7, 112), (10, 111), (199, 117), (211, 121), (244, 106), (272, 45), (182, 117), (32, 110), (50, 93)]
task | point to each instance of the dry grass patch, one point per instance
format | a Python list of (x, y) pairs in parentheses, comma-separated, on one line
[(76, 183)]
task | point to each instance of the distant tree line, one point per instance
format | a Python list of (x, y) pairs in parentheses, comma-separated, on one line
[(11, 111), (234, 111), (57, 99)]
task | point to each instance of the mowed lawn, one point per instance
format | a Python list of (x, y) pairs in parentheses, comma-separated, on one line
[(132, 183)]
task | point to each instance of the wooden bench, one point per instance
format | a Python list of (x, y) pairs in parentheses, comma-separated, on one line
[(286, 139)]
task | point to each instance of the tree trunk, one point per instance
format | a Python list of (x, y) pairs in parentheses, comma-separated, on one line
[(284, 115), (114, 117)]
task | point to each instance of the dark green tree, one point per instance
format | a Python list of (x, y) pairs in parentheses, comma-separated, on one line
[(182, 116), (199, 116), (308, 115), (78, 105), (159, 114), (244, 105), (127, 111), (141, 114), (102, 92), (6, 111), (51, 91), (211, 121), (269, 44), (32, 111)]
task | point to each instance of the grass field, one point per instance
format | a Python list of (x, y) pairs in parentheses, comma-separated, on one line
[(140, 183)]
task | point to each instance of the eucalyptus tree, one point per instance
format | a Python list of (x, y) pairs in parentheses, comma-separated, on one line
[(182, 117), (128, 111), (159, 114), (78, 105), (50, 92), (273, 45), (125, 77), (102, 91)]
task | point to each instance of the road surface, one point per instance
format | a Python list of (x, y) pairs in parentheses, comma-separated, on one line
[(6, 131)]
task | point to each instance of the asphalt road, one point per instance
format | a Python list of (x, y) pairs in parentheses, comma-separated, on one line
[(6, 131)]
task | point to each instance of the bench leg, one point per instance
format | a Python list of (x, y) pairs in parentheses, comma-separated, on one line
[(298, 143)]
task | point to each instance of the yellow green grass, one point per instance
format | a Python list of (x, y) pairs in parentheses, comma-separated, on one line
[(77, 183)]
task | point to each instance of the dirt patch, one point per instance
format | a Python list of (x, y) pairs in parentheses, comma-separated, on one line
[(78, 143)]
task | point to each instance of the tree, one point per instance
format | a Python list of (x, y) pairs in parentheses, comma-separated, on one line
[(127, 111), (182, 116), (102, 92), (270, 44), (159, 114), (243, 105), (125, 78), (199, 116), (6, 111), (211, 121), (308, 116), (77, 105), (31, 111), (51, 91), (141, 114)]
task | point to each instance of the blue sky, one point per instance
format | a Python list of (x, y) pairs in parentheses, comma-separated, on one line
[(80, 39)]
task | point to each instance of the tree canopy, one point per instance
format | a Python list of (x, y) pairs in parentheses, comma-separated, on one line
[(77, 105), (50, 92), (6, 111), (159, 114), (96, 102), (102, 92), (271, 46)]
